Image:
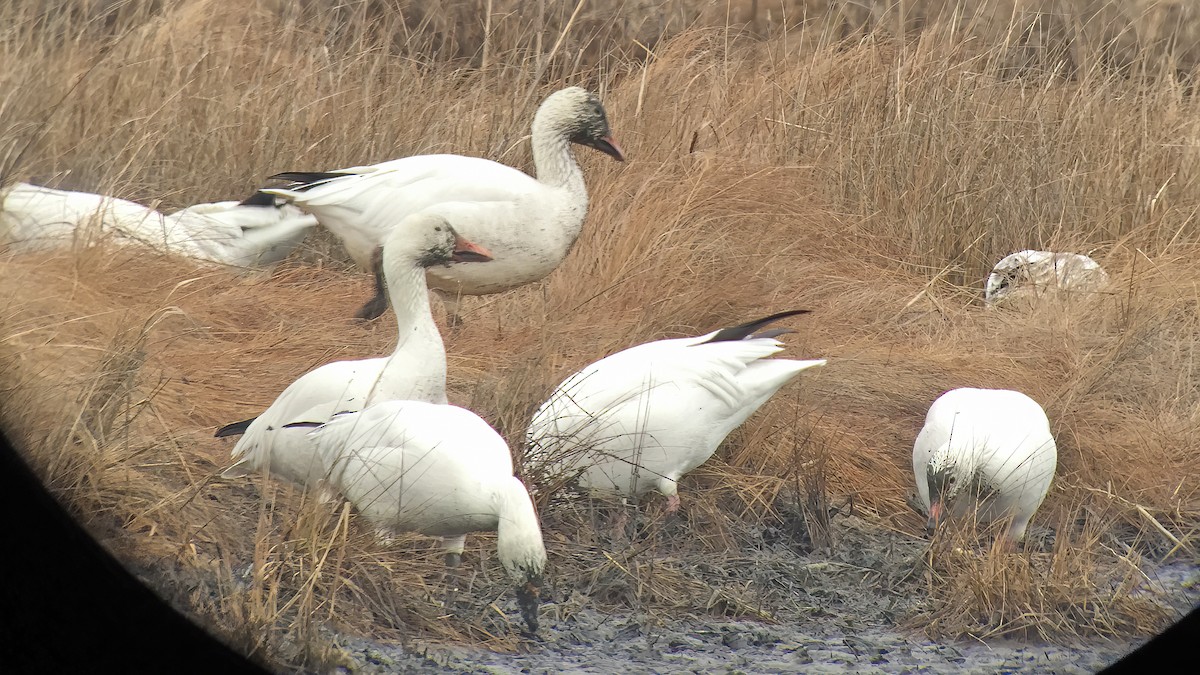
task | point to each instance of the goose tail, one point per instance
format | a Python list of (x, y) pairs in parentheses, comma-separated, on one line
[(745, 330)]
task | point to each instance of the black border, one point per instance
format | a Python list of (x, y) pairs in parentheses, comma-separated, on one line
[(68, 606)]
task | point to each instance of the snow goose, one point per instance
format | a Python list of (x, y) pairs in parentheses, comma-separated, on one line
[(640, 419), (1033, 273), (987, 451), (256, 232), (439, 470), (35, 218), (415, 370), (529, 223)]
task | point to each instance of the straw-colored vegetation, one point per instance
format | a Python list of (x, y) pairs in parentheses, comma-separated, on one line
[(837, 156)]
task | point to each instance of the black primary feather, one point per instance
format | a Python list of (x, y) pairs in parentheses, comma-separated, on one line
[(234, 429), (299, 425), (258, 199), (747, 329), (310, 425), (773, 333), (307, 179)]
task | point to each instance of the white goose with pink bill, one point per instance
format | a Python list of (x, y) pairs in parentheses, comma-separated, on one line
[(416, 369), (640, 419), (987, 453), (439, 470), (529, 224)]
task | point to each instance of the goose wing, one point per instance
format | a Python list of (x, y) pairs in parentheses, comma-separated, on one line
[(362, 205), (316, 396)]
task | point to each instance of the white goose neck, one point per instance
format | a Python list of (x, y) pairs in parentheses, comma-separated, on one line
[(553, 159), (518, 534), (417, 367)]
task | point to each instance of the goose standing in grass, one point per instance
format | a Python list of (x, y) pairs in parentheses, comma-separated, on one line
[(439, 470), (529, 223), (987, 451), (253, 233), (1034, 273), (415, 370), (640, 419)]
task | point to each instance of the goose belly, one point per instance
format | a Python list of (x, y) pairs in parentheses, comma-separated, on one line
[(632, 461)]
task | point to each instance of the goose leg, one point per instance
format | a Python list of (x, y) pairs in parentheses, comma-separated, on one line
[(1014, 536), (453, 546), (326, 494), (672, 503), (378, 304)]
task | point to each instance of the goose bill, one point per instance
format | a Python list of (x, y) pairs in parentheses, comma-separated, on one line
[(466, 251), (606, 144), (935, 516)]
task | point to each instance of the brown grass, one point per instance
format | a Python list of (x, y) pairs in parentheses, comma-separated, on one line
[(824, 163)]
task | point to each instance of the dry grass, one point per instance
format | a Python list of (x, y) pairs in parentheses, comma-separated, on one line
[(822, 163)]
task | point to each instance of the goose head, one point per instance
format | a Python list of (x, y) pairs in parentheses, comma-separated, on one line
[(576, 114), (524, 559), (945, 475), (1012, 270), (529, 596), (519, 547), (426, 240)]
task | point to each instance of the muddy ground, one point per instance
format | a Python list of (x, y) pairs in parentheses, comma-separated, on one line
[(851, 627), (850, 608)]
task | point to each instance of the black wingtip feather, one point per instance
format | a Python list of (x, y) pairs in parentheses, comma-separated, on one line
[(306, 179), (773, 333), (312, 425), (747, 329), (258, 199), (234, 429), (302, 425)]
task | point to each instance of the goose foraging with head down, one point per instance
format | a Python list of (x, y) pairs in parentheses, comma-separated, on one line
[(253, 233), (439, 470), (528, 223), (986, 451), (416, 369), (640, 419)]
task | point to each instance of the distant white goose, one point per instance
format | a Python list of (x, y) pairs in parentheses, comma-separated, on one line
[(256, 232), (987, 451), (640, 419), (439, 470), (529, 224), (1034, 273), (416, 369)]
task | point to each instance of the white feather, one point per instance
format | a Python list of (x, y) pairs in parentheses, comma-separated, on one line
[(640, 419), (34, 218), (415, 370), (528, 223), (435, 469), (1031, 274), (1002, 435)]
